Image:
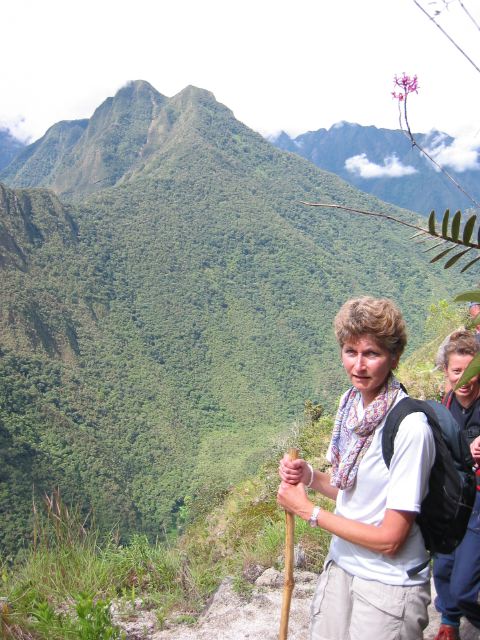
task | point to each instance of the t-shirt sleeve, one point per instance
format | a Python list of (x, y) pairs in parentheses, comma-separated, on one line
[(412, 460)]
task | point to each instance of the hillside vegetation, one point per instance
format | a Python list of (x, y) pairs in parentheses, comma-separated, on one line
[(63, 586), (160, 333)]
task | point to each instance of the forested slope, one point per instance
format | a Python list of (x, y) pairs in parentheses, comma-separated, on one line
[(160, 334)]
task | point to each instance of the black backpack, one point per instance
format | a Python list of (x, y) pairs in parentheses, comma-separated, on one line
[(447, 507)]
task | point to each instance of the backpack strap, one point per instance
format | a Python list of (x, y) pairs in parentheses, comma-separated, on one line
[(447, 399), (420, 567), (401, 410), (435, 412), (395, 416)]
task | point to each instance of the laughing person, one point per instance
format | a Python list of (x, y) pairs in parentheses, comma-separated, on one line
[(369, 587), (457, 575)]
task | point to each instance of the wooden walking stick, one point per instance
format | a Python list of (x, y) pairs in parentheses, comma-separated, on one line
[(289, 582)]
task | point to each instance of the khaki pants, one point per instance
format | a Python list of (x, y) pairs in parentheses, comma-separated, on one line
[(348, 608)]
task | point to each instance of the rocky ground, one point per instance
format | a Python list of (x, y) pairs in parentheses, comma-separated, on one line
[(232, 617)]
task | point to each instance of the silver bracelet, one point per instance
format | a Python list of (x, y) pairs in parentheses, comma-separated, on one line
[(312, 475), (313, 520)]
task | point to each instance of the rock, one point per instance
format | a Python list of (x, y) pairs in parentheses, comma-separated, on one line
[(252, 571), (229, 617), (299, 557), (233, 617), (270, 578), (134, 620)]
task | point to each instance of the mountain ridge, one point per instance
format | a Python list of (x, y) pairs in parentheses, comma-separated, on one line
[(385, 163), (83, 156), (200, 293)]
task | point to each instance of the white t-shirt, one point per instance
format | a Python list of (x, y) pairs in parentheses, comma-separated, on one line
[(377, 488)]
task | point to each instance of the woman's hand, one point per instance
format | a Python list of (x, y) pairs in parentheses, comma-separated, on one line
[(475, 449), (293, 471), (293, 498)]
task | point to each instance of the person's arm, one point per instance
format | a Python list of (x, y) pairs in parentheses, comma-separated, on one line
[(295, 471), (412, 460), (386, 538), (475, 450)]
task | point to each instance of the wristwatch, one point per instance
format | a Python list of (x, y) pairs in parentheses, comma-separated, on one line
[(312, 521)]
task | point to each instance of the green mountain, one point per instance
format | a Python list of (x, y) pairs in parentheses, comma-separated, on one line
[(88, 155), (37, 162), (160, 334)]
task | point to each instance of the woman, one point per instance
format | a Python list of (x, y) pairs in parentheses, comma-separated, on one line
[(457, 575), (365, 590)]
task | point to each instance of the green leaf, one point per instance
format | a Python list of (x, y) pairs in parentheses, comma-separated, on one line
[(446, 215), (431, 223), (469, 264), (468, 296), (473, 369), (468, 229), (457, 218), (455, 258), (476, 321), (442, 254)]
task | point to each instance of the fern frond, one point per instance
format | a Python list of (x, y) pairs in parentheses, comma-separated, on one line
[(468, 229), (469, 264), (473, 369), (446, 216), (468, 296), (455, 258), (457, 218), (451, 236), (442, 254)]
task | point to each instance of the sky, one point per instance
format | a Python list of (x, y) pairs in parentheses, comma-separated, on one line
[(278, 65)]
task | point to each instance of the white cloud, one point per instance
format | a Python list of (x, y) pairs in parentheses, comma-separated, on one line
[(17, 128), (460, 155), (392, 167)]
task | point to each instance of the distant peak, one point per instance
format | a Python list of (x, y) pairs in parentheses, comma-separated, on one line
[(139, 84), (278, 136), (343, 123), (191, 91), (135, 87)]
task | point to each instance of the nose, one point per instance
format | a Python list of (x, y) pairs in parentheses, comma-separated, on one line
[(359, 362)]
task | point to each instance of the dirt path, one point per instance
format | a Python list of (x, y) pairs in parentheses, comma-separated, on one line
[(231, 617)]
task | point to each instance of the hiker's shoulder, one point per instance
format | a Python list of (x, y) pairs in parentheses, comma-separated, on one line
[(408, 412), (413, 428)]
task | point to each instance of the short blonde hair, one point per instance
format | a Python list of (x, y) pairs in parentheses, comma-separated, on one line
[(379, 318), (462, 342)]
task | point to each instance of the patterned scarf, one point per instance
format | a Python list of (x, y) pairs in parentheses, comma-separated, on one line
[(351, 437)]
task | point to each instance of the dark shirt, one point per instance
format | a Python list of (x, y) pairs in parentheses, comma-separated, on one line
[(467, 419)]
